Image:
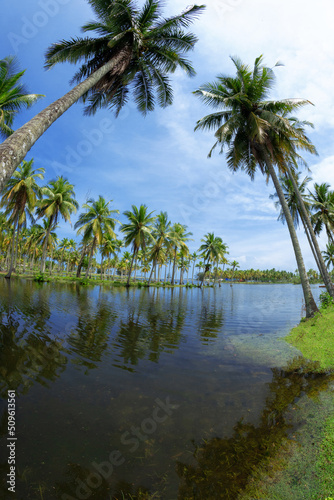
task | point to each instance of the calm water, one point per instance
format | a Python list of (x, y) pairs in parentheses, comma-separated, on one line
[(175, 392)]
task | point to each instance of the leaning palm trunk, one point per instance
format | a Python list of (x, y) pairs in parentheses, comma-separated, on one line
[(12, 252), (83, 253), (311, 307), (323, 270), (310, 242), (90, 257), (14, 149), (130, 271), (153, 267)]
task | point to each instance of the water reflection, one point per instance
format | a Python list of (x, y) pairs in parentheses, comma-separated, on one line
[(223, 466), (88, 363)]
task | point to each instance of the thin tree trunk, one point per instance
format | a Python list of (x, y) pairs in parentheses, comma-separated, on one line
[(311, 307), (90, 257), (15, 148), (17, 246), (45, 244), (10, 270), (83, 253), (51, 260), (323, 270), (153, 266), (174, 263), (129, 276)]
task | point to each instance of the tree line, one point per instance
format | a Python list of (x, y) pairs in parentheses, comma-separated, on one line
[(131, 53)]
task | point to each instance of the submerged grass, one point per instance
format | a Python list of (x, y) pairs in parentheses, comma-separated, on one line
[(303, 467)]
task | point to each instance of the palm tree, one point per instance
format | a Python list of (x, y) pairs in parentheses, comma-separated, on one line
[(212, 250), (257, 133), (234, 265), (160, 234), (134, 51), (95, 223), (178, 238), (322, 203), (20, 197), (194, 257), (329, 255), (42, 232), (138, 231), (59, 201), (13, 95)]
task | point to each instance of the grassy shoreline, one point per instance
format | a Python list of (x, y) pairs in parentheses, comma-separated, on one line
[(304, 467)]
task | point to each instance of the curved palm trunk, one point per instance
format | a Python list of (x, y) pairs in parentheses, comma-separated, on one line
[(310, 304), (323, 269), (153, 267), (83, 253), (12, 253), (204, 273), (14, 149), (90, 257)]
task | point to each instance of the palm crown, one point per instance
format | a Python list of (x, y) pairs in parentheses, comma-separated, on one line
[(13, 94), (154, 46)]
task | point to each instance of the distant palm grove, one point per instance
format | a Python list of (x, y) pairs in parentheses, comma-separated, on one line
[(148, 248), (131, 52)]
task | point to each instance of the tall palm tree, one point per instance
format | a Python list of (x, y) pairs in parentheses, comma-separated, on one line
[(290, 195), (20, 196), (42, 232), (178, 237), (133, 51), (59, 201), (212, 251), (161, 242), (322, 204), (256, 132), (94, 223), (329, 255), (138, 231), (194, 257), (13, 95)]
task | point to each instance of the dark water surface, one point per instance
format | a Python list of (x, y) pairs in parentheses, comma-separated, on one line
[(177, 392)]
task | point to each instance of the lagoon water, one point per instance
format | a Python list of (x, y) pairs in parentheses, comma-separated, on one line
[(125, 393)]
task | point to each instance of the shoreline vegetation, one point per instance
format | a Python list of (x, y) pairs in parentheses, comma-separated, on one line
[(307, 458), (141, 282)]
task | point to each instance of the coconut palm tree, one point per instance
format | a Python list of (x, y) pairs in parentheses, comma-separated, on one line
[(178, 237), (138, 231), (160, 234), (131, 51), (13, 95), (95, 222), (257, 133), (20, 196), (194, 257), (212, 251), (294, 206), (322, 205), (329, 255), (59, 201), (41, 232)]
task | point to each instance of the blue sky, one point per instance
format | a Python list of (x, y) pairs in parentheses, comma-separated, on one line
[(159, 160)]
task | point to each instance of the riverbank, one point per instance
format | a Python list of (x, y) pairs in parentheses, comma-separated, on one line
[(303, 466)]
